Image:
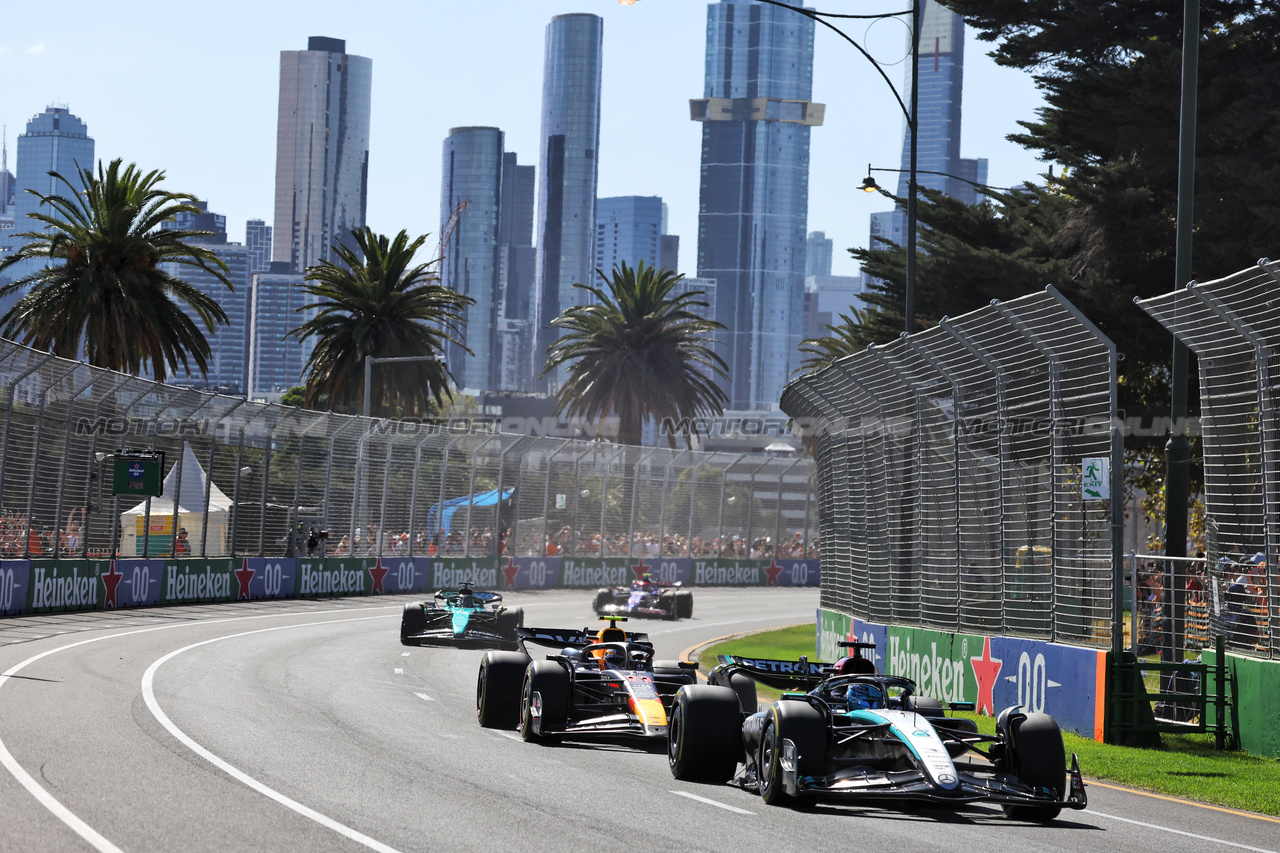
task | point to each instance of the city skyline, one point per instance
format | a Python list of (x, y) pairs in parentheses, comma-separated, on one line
[(648, 146)]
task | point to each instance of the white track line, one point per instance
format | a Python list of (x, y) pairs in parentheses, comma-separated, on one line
[(724, 806), (148, 695), (424, 697), (42, 796), (1156, 826)]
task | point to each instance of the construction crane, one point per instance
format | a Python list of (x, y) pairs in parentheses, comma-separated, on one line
[(447, 232)]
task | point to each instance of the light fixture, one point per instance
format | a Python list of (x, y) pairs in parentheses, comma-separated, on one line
[(246, 471), (99, 456)]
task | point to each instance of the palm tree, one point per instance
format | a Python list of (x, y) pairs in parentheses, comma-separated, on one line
[(109, 295), (375, 304), (637, 353), (845, 339)]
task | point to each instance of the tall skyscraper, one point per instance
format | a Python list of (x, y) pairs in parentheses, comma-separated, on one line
[(228, 344), (471, 203), (756, 113), (322, 150), (628, 230), (941, 74), (276, 361), (55, 141), (569, 157), (517, 268), (257, 239), (818, 251)]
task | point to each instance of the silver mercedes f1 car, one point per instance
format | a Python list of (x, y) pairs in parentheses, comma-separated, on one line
[(843, 733)]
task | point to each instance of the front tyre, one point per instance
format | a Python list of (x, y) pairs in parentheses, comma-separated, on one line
[(684, 604), (704, 734), (1039, 760), (805, 727), (546, 682), (412, 621)]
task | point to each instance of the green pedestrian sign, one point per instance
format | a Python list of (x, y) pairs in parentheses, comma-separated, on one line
[(1095, 478)]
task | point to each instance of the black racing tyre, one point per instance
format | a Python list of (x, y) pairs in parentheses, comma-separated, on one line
[(603, 597), (803, 725), (551, 682), (509, 620), (412, 621), (704, 734), (1039, 760), (498, 689), (927, 706), (745, 688), (684, 604)]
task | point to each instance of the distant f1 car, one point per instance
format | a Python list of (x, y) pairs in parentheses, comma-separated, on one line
[(463, 618), (599, 684), (645, 598), (846, 734)]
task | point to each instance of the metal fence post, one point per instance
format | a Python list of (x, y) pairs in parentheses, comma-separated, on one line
[(635, 492), (8, 421), (413, 492), (62, 481), (546, 501)]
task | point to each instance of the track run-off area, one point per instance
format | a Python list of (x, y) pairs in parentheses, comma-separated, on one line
[(305, 725)]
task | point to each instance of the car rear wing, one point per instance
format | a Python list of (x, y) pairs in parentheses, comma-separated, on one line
[(779, 674), (569, 637)]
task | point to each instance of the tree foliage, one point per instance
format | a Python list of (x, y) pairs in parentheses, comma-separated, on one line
[(377, 303), (1103, 227), (637, 352), (100, 289)]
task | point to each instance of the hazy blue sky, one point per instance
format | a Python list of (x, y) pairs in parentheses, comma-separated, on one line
[(192, 89)]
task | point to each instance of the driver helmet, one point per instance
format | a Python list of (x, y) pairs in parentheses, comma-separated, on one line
[(614, 658), (861, 696)]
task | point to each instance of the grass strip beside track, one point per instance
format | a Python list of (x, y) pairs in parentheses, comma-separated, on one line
[(1187, 766)]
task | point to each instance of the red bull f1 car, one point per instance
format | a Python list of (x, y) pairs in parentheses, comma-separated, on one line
[(464, 618), (645, 599), (599, 684), (843, 733)]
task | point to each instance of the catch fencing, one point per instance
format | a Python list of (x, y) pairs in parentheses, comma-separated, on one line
[(1233, 327), (254, 480), (964, 475)]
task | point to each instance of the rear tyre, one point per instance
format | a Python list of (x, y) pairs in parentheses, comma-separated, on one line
[(508, 621), (745, 688), (412, 621), (927, 706), (550, 681), (804, 726), (1039, 760), (684, 604), (498, 689), (704, 734)]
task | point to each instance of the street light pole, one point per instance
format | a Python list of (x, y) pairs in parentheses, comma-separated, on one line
[(370, 361), (909, 298)]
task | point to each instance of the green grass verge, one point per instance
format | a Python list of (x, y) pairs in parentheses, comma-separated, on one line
[(1188, 766)]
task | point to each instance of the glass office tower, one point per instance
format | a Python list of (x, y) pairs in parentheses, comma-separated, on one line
[(753, 210), (322, 150), (628, 230), (517, 270), (941, 72), (471, 175), (55, 141), (567, 191)]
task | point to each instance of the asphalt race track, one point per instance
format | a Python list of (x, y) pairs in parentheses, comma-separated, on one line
[(305, 725)]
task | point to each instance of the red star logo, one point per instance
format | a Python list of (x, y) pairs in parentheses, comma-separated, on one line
[(986, 668), (509, 571), (111, 579), (244, 575), (773, 570), (640, 569), (378, 573)]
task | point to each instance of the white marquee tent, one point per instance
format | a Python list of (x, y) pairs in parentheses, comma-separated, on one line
[(189, 498)]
